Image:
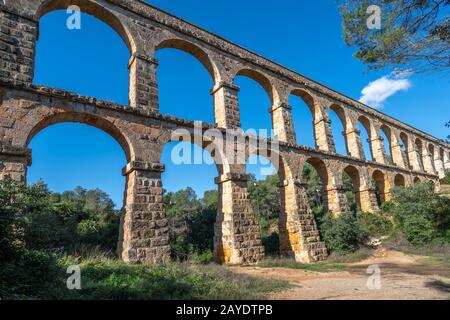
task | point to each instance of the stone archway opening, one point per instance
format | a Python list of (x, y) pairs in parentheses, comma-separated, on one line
[(405, 149), (385, 134), (381, 186), (81, 159), (265, 197), (315, 176), (191, 200), (303, 117), (338, 128), (80, 59), (255, 96), (178, 63), (399, 181), (352, 184), (365, 129)]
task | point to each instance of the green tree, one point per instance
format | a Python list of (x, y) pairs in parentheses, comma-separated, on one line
[(420, 212), (414, 35)]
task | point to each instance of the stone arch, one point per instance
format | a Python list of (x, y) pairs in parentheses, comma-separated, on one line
[(382, 186), (194, 50), (321, 168), (418, 146), (399, 181), (95, 9), (387, 145), (367, 125), (340, 112), (405, 148), (98, 122), (262, 80), (318, 133), (416, 180), (355, 176), (432, 152)]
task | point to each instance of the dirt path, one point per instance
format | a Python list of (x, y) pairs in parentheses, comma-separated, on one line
[(403, 277)]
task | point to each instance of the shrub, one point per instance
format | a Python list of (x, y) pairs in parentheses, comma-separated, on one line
[(30, 274), (418, 229), (446, 179), (375, 224), (420, 213), (343, 234)]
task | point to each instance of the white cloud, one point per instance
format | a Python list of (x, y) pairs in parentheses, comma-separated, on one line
[(376, 92)]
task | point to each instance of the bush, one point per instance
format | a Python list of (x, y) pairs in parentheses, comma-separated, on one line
[(446, 179), (418, 229), (420, 213), (343, 234), (375, 224), (30, 274)]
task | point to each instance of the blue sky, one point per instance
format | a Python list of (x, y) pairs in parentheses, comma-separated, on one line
[(302, 35)]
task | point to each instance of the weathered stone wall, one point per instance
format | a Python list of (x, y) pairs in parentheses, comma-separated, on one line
[(142, 131)]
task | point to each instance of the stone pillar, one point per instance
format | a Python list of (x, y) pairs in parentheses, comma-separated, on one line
[(427, 160), (446, 160), (323, 134), (414, 157), (398, 156), (14, 162), (439, 164), (335, 200), (378, 151), (143, 82), (144, 232), (354, 144), (299, 235), (367, 200), (18, 35), (237, 237), (282, 123), (226, 105)]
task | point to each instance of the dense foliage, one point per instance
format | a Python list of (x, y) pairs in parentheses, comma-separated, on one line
[(413, 35), (420, 213)]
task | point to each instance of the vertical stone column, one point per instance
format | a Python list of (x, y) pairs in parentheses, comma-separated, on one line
[(226, 105), (398, 156), (237, 235), (143, 82), (335, 200), (17, 48), (414, 157), (323, 134), (439, 164), (144, 232), (299, 235), (282, 123), (378, 151), (446, 159), (354, 144), (427, 160), (14, 162), (367, 199)]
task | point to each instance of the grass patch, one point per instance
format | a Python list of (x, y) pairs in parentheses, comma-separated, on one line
[(362, 254), (108, 279), (292, 264), (437, 249)]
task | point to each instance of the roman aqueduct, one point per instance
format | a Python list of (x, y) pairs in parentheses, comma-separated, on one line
[(142, 131)]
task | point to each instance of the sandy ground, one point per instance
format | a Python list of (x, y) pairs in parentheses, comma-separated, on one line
[(403, 277)]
